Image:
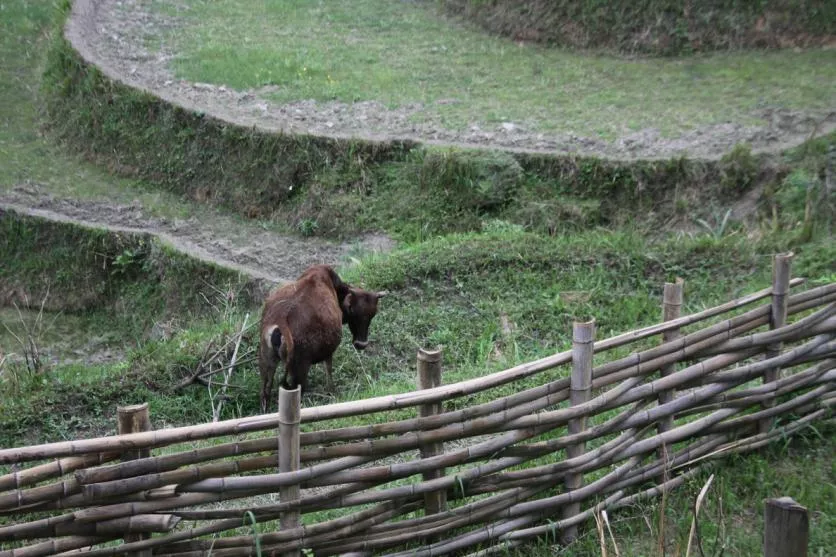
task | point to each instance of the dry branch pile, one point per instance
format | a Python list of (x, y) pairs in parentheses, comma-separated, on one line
[(564, 448)]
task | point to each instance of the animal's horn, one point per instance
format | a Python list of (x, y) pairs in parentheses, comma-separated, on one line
[(382, 293)]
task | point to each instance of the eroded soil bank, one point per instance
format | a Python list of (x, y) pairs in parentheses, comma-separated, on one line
[(223, 240)]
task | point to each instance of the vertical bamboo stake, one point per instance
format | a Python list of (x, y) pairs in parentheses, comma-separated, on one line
[(785, 528), (580, 390), (671, 308), (134, 419), (429, 376), (290, 412), (780, 290)]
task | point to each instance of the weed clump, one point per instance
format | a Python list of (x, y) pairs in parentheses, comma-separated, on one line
[(738, 169)]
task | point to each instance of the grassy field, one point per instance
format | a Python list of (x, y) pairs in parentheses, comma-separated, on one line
[(26, 156), (447, 289), (400, 53), (452, 291)]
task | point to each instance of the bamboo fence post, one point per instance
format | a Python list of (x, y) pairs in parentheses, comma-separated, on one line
[(785, 528), (778, 318), (671, 308), (580, 391), (290, 412), (134, 419), (429, 376)]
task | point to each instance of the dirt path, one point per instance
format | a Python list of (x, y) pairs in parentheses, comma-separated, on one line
[(223, 240), (112, 33)]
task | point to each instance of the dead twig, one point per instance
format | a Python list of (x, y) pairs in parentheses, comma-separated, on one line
[(695, 522), (203, 367), (244, 359), (602, 540), (216, 411), (198, 368), (719, 540), (609, 529), (32, 335)]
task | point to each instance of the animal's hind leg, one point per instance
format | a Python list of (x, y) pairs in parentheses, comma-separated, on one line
[(288, 378), (267, 362)]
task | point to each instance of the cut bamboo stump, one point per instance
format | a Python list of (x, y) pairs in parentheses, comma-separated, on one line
[(778, 318), (785, 528), (671, 308), (134, 419), (580, 390), (429, 376), (290, 413)]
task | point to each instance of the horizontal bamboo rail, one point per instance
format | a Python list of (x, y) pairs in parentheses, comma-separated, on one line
[(29, 476)]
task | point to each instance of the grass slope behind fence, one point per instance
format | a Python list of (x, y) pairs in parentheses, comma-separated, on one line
[(403, 56), (503, 459)]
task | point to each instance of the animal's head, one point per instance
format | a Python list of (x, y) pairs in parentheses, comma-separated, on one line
[(359, 308)]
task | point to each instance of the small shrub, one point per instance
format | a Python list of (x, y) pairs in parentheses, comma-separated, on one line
[(127, 263), (791, 196), (308, 227)]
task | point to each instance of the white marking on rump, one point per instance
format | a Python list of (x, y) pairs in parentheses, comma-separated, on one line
[(268, 335)]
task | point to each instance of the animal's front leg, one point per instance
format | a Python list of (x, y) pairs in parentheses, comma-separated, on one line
[(328, 378), (267, 363)]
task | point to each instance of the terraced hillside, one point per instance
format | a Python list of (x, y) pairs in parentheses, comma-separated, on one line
[(488, 252)]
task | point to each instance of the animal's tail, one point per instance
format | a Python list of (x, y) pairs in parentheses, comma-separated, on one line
[(280, 341)]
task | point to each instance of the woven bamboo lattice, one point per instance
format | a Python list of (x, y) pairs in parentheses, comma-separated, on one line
[(451, 467)]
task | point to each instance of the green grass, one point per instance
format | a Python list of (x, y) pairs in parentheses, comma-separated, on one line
[(451, 291), (336, 188), (103, 290), (62, 332), (404, 53), (26, 155)]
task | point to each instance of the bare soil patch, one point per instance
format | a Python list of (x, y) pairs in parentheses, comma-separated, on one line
[(112, 35)]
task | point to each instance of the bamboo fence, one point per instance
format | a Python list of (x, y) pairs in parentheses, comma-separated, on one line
[(472, 468)]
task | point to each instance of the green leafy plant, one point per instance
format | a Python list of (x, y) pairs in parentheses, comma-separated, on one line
[(127, 263), (717, 229), (308, 227)]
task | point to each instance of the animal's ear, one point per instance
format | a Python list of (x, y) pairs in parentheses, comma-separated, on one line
[(381, 294), (336, 280), (348, 301)]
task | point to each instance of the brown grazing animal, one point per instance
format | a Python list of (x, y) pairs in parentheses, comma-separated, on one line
[(301, 325)]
